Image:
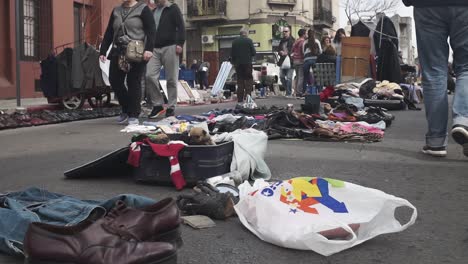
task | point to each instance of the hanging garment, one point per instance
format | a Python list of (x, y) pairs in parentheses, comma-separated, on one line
[(86, 71), (49, 76), (64, 72), (386, 27), (388, 64), (360, 30)]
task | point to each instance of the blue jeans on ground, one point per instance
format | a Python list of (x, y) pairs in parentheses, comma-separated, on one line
[(434, 25), (19, 209), (286, 80), (307, 65)]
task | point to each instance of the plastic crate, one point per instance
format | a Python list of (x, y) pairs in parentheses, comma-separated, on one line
[(196, 162)]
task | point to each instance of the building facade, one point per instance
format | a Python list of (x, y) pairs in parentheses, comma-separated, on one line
[(212, 25), (404, 29), (47, 26)]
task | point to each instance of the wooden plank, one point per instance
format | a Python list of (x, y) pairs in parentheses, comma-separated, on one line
[(355, 54)]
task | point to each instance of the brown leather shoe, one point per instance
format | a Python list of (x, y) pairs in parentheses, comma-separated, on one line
[(92, 243), (158, 222)]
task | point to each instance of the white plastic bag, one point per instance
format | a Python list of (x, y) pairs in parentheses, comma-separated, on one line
[(286, 65), (301, 213)]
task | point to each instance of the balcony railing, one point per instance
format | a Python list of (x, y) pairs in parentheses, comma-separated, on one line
[(203, 10), (282, 2), (323, 16)]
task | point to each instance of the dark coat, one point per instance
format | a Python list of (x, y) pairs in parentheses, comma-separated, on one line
[(64, 72), (242, 51), (49, 77), (427, 3), (388, 29), (171, 29), (360, 30), (290, 42), (388, 65), (86, 72)]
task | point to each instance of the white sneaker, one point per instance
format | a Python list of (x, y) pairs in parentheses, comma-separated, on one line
[(133, 121)]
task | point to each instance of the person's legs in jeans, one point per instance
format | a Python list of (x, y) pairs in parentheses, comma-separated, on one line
[(459, 43), (432, 31), (134, 89), (284, 82), (153, 71), (170, 60), (117, 79), (289, 78), (338, 69), (299, 68), (307, 77)]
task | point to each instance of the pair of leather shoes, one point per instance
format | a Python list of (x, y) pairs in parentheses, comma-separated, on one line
[(125, 236)]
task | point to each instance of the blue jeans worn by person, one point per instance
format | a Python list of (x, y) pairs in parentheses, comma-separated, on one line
[(307, 76), (286, 79), (434, 25), (338, 69), (19, 209)]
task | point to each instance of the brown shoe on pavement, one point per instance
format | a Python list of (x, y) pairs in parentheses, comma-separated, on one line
[(92, 243), (158, 222)]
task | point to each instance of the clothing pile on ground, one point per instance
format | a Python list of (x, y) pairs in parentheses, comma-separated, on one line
[(349, 120), (43, 117), (391, 96)]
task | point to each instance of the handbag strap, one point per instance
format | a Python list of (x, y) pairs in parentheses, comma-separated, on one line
[(127, 15)]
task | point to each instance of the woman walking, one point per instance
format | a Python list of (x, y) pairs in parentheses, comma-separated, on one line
[(311, 51), (132, 20), (337, 43)]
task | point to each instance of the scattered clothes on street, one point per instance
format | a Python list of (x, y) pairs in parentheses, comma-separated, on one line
[(21, 208), (43, 117)]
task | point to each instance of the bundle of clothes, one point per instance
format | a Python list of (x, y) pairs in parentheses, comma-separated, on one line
[(386, 94), (44, 117), (345, 121)]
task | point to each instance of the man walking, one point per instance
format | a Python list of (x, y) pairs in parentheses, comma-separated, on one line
[(285, 50), (242, 53), (169, 40), (203, 72), (436, 21)]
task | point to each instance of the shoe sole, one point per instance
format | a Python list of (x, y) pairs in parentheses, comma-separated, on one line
[(172, 259), (123, 121), (440, 153), (174, 237), (460, 135), (158, 115)]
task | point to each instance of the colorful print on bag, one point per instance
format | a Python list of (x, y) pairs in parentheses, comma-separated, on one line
[(303, 193)]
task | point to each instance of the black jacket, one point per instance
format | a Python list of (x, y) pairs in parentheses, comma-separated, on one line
[(426, 3), (171, 29), (242, 51), (64, 72), (290, 42)]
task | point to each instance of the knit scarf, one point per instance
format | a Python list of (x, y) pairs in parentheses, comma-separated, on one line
[(170, 150)]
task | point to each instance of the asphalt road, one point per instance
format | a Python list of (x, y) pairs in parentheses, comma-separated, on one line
[(38, 156)]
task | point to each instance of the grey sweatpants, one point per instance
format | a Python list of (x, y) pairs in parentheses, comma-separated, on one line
[(168, 58)]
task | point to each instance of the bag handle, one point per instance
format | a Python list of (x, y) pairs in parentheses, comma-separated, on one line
[(399, 202)]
